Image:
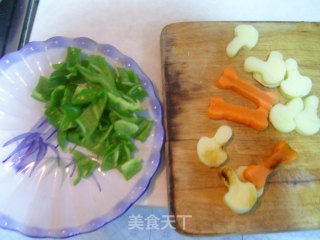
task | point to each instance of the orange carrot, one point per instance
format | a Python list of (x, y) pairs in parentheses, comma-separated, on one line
[(256, 118), (258, 174), (281, 153), (230, 80)]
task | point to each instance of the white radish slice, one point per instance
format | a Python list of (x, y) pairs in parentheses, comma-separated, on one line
[(282, 116), (295, 85), (241, 196), (259, 78), (211, 150), (246, 36), (307, 121), (270, 72)]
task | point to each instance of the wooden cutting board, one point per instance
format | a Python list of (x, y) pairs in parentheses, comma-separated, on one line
[(193, 58)]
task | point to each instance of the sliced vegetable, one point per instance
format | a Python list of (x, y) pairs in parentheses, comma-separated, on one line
[(111, 157), (90, 117), (84, 165), (307, 121), (211, 150), (256, 118), (131, 167), (283, 117), (269, 73), (84, 95), (42, 90), (145, 127), (230, 80), (96, 107), (241, 196), (295, 85), (258, 174), (246, 36), (129, 83), (125, 128), (122, 106), (240, 171)]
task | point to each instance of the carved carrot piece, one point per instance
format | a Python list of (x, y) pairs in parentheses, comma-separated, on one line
[(258, 174), (280, 150), (230, 80), (256, 118)]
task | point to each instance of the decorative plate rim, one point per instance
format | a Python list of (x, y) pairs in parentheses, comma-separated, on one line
[(142, 184)]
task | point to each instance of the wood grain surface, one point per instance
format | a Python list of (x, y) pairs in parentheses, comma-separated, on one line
[(193, 58)]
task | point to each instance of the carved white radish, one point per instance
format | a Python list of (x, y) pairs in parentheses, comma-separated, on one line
[(246, 36), (211, 150), (241, 196), (283, 117), (295, 85), (269, 73), (307, 121)]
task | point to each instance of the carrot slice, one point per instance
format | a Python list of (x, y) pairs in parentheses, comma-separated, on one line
[(258, 174), (282, 153), (230, 80), (256, 118)]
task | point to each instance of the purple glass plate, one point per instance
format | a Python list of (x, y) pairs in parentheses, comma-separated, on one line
[(45, 203)]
